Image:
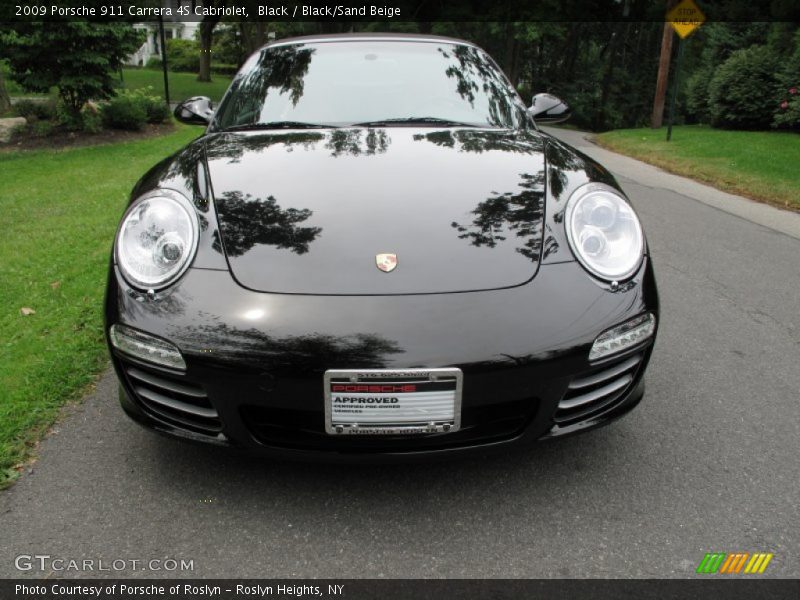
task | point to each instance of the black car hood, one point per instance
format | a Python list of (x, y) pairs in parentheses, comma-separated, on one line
[(307, 211)]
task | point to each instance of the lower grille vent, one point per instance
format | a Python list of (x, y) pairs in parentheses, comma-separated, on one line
[(597, 390), (174, 400), (306, 430)]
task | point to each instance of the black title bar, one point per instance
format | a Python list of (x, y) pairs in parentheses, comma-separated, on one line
[(388, 11)]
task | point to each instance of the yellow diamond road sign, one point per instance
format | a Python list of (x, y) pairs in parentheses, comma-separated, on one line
[(685, 17)]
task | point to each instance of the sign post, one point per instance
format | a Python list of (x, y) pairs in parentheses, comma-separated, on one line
[(685, 17)]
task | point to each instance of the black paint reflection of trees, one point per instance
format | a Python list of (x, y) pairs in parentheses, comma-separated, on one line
[(471, 140), (310, 353), (520, 213), (473, 72), (281, 69), (232, 146), (246, 221), (356, 142), (561, 158)]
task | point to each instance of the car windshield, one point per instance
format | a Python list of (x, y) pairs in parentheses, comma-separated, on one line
[(370, 83)]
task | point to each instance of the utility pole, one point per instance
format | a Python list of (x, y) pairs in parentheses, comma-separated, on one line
[(663, 75)]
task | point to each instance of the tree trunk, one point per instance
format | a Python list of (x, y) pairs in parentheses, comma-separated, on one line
[(512, 57), (600, 120), (5, 101), (261, 35), (254, 35), (247, 40), (573, 50), (206, 35)]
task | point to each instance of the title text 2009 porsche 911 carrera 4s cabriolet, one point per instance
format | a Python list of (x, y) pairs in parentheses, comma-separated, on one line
[(373, 251)]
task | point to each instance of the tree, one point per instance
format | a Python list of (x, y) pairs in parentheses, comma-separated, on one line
[(207, 26), (5, 101), (77, 57)]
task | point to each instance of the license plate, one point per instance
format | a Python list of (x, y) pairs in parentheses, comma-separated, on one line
[(392, 402)]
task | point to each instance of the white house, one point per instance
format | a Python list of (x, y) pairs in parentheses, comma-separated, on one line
[(174, 27)]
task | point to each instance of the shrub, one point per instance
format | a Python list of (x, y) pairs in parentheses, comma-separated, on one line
[(154, 105), (788, 115), (35, 111), (91, 118), (697, 94), (42, 128), (125, 111), (183, 56), (157, 110), (132, 109), (742, 93)]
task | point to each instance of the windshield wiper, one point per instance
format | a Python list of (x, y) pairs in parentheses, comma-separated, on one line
[(279, 125), (415, 121)]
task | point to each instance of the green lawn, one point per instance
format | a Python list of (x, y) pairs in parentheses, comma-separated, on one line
[(58, 214), (181, 85), (762, 165)]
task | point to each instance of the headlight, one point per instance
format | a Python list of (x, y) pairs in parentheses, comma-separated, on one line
[(157, 239), (604, 232)]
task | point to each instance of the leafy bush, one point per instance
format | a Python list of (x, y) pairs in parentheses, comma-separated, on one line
[(741, 95), (157, 110), (183, 56), (125, 111), (787, 115), (42, 128), (91, 118), (132, 109), (154, 105), (35, 111), (697, 94)]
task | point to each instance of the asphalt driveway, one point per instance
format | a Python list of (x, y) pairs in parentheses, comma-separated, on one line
[(708, 462)]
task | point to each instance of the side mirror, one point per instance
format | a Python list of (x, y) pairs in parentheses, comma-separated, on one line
[(195, 111), (546, 108)]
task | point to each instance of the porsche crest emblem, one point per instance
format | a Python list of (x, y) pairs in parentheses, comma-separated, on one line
[(386, 262)]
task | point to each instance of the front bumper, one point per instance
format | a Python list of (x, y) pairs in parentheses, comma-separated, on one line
[(255, 361)]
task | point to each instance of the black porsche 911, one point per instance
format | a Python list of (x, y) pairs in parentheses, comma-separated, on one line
[(373, 251)]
